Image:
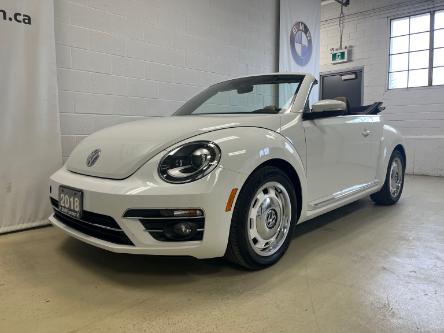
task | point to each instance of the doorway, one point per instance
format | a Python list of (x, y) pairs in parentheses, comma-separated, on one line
[(343, 84)]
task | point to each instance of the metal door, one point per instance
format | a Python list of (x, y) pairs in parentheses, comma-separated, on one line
[(343, 84)]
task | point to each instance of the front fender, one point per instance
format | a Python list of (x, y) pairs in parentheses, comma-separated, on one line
[(246, 148), (243, 149), (390, 139)]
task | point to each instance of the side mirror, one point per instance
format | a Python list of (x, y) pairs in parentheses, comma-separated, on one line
[(326, 108)]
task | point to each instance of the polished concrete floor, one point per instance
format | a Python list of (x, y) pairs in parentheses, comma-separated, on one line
[(361, 268)]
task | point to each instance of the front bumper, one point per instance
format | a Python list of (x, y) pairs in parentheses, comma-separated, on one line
[(113, 197)]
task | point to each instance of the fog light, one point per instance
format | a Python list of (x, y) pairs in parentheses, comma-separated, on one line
[(184, 229), (171, 225), (181, 231)]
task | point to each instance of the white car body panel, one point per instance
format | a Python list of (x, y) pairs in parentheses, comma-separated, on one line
[(337, 147), (337, 160), (133, 144)]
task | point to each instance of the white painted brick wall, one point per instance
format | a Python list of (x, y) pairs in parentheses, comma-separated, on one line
[(120, 61), (417, 112)]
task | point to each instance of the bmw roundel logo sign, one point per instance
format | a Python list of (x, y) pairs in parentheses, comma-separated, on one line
[(301, 43)]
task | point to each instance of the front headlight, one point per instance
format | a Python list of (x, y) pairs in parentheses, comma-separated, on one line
[(189, 162)]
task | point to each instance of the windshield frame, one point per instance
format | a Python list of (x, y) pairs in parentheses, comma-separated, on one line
[(212, 90)]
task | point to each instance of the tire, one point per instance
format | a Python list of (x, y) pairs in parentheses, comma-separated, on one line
[(265, 212), (394, 181)]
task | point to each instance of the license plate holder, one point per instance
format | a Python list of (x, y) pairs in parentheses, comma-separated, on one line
[(71, 202)]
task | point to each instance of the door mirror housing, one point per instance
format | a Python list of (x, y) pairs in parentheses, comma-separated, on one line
[(326, 108), (328, 105)]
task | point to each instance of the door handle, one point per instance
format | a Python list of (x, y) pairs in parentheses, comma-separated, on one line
[(366, 133)]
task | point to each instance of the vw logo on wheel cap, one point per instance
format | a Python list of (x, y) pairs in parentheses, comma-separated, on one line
[(93, 157), (271, 218)]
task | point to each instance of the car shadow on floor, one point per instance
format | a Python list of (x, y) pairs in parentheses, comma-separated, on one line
[(124, 267)]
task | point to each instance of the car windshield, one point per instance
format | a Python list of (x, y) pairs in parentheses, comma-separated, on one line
[(262, 94)]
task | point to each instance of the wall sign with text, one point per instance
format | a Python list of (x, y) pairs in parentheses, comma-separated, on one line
[(15, 17)]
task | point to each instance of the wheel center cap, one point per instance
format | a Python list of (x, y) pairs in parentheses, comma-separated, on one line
[(271, 218)]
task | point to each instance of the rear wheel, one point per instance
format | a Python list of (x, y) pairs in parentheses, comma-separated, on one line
[(394, 181), (263, 219)]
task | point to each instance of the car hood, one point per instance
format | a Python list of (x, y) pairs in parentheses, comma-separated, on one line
[(125, 148)]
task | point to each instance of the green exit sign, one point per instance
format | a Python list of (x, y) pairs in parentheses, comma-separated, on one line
[(339, 56)]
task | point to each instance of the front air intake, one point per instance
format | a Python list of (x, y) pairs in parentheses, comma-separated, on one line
[(95, 225), (171, 225)]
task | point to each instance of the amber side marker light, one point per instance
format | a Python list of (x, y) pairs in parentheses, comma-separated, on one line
[(231, 199)]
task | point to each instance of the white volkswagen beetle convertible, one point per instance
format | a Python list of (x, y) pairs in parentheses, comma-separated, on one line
[(229, 174)]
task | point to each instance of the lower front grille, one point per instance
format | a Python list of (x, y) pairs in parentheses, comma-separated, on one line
[(171, 225), (164, 231), (97, 229)]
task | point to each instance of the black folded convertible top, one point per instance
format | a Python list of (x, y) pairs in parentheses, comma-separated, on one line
[(374, 108)]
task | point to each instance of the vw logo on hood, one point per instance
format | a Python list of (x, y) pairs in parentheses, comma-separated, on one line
[(93, 157)]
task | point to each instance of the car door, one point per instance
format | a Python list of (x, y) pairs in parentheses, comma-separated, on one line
[(342, 154)]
